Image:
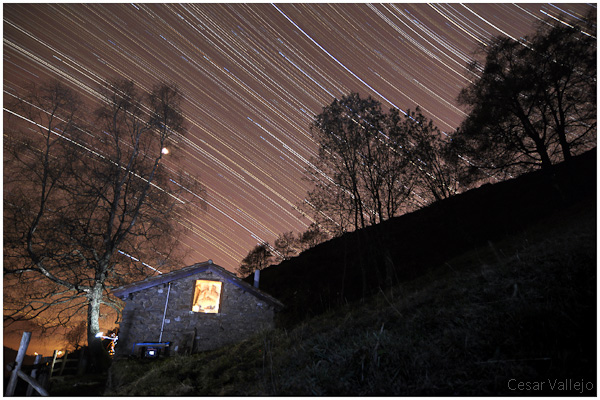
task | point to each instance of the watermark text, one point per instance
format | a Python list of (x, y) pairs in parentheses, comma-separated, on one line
[(558, 385)]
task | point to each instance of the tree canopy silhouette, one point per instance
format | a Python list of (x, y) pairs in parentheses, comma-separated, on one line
[(86, 196), (372, 165), (533, 103), (258, 258)]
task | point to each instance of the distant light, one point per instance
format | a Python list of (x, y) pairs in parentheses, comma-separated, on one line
[(165, 150), (35, 353), (99, 334)]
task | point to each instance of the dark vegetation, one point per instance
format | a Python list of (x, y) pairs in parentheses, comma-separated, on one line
[(457, 298), (74, 385), (530, 104), (359, 263), (494, 284), (82, 206), (534, 100)]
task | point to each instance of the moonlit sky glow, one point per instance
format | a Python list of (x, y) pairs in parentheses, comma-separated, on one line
[(254, 76)]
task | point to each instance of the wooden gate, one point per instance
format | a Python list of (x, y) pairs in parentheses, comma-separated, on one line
[(17, 371)]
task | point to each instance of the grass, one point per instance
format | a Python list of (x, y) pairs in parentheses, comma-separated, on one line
[(74, 385), (523, 308)]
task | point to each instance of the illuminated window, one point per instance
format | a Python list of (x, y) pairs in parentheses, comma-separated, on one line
[(206, 296)]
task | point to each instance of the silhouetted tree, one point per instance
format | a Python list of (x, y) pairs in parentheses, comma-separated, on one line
[(311, 237), (259, 258), (83, 194), (331, 206), (286, 246), (358, 170), (436, 176), (533, 103), (77, 335), (372, 165)]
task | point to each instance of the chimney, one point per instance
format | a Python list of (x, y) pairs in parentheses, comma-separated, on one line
[(256, 277)]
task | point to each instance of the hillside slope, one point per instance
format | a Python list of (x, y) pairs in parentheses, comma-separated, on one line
[(359, 263), (512, 314), (518, 310)]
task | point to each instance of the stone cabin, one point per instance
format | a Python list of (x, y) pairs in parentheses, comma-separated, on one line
[(196, 308)]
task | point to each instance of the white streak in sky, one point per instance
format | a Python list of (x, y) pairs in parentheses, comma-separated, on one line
[(336, 60)]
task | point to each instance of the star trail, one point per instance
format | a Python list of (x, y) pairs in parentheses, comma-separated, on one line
[(254, 76)]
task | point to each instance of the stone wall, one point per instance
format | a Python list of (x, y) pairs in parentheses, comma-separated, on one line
[(241, 315)]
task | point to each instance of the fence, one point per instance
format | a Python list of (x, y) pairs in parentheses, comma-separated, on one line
[(43, 368), (59, 365), (17, 371)]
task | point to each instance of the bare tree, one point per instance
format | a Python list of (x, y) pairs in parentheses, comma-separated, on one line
[(373, 165), (311, 237), (77, 335), (258, 258), (339, 135), (285, 246), (436, 177), (358, 169), (85, 196), (331, 206), (533, 103)]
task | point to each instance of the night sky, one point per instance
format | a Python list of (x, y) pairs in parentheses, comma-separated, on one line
[(254, 76)]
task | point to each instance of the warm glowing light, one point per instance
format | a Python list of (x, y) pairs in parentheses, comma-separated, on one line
[(206, 296), (59, 353), (35, 353), (248, 117)]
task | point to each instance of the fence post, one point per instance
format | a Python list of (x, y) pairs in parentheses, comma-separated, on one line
[(35, 384), (53, 362), (44, 373), (64, 362), (12, 383), (36, 365)]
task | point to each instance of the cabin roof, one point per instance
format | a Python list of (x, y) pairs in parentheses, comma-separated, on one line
[(123, 291)]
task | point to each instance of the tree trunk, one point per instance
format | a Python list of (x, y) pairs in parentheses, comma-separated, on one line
[(93, 313), (543, 152), (540, 147), (98, 357), (564, 144)]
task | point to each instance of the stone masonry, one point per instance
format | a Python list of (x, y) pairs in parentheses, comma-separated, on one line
[(243, 311)]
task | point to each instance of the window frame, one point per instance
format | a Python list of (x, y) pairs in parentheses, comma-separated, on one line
[(195, 296)]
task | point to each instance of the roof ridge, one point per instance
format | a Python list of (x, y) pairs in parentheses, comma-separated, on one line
[(124, 290)]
